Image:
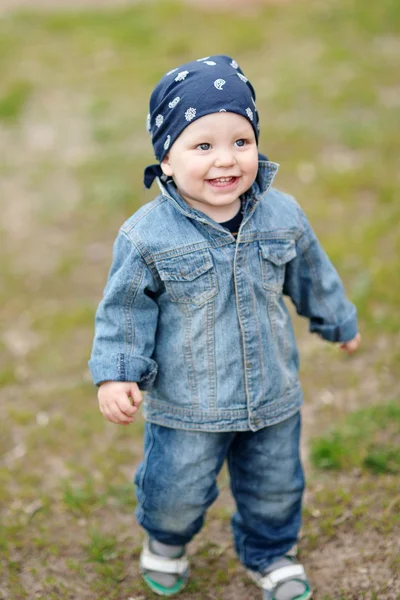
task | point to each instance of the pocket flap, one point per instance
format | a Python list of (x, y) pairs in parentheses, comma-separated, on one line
[(278, 252), (185, 268)]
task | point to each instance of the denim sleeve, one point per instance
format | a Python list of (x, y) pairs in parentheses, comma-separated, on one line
[(314, 286), (126, 320)]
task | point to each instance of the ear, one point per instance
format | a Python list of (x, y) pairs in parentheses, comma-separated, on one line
[(166, 166)]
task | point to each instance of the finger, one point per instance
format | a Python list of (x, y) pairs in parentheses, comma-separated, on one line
[(119, 415), (136, 395), (125, 406), (112, 412), (109, 416)]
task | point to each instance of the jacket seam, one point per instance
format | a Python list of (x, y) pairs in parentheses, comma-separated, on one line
[(258, 334), (144, 253), (154, 204), (129, 301)]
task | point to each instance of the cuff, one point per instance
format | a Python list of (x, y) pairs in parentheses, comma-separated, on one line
[(136, 368), (342, 332)]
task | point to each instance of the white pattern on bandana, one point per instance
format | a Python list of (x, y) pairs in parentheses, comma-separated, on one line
[(174, 102), (181, 76), (219, 83), (201, 59), (242, 77), (167, 142), (249, 113), (210, 62), (148, 122), (190, 114), (159, 120), (234, 64), (172, 71)]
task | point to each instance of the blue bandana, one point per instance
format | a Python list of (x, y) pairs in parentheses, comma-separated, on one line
[(193, 90)]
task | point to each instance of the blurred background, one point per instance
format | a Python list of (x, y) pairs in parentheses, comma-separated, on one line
[(75, 78)]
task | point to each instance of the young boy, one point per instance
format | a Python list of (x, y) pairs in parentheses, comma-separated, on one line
[(193, 314)]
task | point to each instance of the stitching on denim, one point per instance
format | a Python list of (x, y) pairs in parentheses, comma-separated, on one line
[(128, 303), (211, 366), (139, 247), (238, 304), (282, 348), (121, 367), (152, 372), (174, 268), (188, 353), (210, 244), (188, 292), (276, 281), (233, 426), (146, 210), (283, 402), (253, 302), (147, 258), (286, 349), (271, 315)]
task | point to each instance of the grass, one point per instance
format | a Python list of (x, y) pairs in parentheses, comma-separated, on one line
[(14, 101), (73, 101), (365, 439)]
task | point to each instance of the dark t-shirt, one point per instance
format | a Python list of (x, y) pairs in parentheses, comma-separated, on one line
[(233, 224)]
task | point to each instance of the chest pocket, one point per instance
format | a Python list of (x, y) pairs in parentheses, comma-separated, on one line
[(274, 255), (190, 278)]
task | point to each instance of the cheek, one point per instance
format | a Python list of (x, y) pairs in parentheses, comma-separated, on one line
[(195, 172), (251, 165)]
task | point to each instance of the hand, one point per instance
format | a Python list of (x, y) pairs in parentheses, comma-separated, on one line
[(119, 401), (352, 345)]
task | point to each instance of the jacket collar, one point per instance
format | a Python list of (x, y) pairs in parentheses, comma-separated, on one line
[(267, 171)]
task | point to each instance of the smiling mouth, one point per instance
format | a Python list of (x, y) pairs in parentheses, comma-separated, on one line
[(222, 181)]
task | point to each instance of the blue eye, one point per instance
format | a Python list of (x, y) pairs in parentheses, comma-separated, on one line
[(241, 142), (204, 146)]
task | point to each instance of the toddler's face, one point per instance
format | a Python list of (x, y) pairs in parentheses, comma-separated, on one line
[(213, 162)]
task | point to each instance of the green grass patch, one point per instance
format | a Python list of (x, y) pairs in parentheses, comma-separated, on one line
[(366, 439), (101, 548), (82, 499), (14, 100)]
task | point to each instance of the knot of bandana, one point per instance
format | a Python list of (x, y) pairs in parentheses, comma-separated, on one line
[(198, 88)]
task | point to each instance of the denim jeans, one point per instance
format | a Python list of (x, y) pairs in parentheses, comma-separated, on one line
[(176, 483)]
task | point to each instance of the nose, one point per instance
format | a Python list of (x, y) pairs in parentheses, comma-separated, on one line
[(224, 158)]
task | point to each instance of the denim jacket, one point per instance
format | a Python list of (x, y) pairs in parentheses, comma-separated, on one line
[(197, 318)]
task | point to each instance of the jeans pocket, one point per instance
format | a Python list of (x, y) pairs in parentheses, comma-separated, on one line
[(274, 255), (189, 278)]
